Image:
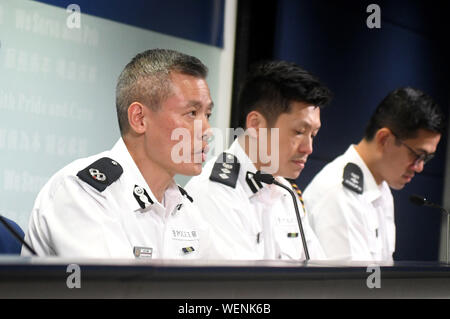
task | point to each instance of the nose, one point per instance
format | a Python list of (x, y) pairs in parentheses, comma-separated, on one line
[(207, 132), (306, 145), (203, 130), (418, 167)]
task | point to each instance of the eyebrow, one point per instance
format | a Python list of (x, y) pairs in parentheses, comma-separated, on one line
[(421, 150), (307, 125), (198, 105)]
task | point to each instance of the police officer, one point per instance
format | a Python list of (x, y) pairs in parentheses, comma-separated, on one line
[(124, 202), (349, 201), (281, 103)]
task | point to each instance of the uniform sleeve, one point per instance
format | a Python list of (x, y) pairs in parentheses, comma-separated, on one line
[(214, 248), (220, 209), (73, 220), (339, 225)]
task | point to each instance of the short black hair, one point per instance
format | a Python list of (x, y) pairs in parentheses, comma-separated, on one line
[(271, 86), (404, 111)]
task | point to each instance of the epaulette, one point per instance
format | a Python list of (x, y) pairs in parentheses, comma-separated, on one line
[(184, 193), (226, 170), (353, 178), (101, 173)]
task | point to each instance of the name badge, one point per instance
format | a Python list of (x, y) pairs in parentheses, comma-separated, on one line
[(189, 235), (143, 252)]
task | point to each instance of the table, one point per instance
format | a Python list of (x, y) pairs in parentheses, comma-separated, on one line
[(42, 277)]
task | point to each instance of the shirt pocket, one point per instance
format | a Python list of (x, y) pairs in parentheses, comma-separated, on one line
[(183, 243), (374, 236), (390, 228), (289, 242)]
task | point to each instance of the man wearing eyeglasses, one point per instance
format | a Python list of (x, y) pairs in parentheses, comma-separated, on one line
[(349, 202)]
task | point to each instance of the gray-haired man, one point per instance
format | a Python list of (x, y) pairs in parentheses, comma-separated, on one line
[(124, 202)]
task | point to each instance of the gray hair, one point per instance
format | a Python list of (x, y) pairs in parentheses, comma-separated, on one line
[(146, 79)]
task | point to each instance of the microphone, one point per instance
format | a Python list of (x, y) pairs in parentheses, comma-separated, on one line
[(417, 200), (269, 179), (422, 201), (16, 235)]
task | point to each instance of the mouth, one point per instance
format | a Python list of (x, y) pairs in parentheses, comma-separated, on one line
[(408, 177), (201, 154), (299, 163)]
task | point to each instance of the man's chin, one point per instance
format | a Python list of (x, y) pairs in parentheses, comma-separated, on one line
[(191, 170), (397, 186), (292, 174)]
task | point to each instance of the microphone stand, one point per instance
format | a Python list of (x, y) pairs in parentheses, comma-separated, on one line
[(269, 179), (422, 201), (15, 234), (297, 213), (448, 230), (446, 213)]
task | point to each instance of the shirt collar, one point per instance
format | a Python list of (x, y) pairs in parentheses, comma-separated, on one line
[(132, 177), (246, 166), (372, 191)]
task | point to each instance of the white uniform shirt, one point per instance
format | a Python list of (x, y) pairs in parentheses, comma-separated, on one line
[(73, 219), (350, 225), (251, 224)]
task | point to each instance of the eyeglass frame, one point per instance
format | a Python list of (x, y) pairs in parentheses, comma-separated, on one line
[(425, 157)]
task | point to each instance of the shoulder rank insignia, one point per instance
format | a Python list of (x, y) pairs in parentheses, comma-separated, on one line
[(184, 193), (226, 170), (101, 173), (353, 178)]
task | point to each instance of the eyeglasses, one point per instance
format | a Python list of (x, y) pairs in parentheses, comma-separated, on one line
[(425, 157)]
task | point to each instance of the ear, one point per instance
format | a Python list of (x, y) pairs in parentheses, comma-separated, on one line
[(382, 137), (136, 117), (254, 122)]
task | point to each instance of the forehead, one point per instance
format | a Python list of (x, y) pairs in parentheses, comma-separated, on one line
[(300, 114), (188, 85), (187, 91), (425, 141)]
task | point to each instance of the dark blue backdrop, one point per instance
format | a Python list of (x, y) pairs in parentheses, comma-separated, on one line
[(361, 65), (196, 20)]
